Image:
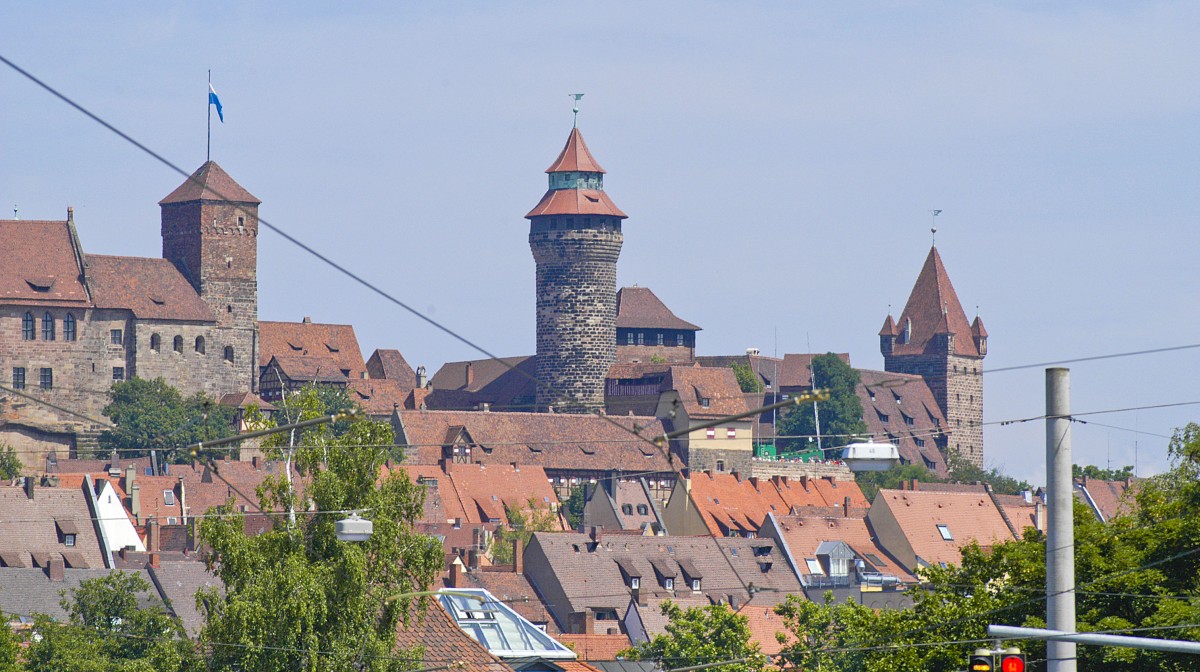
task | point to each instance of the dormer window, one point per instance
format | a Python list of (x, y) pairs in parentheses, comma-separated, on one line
[(669, 583), (705, 402), (635, 582), (627, 509), (68, 540), (696, 585), (643, 510)]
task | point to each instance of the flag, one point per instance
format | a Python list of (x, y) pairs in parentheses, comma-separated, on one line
[(214, 100)]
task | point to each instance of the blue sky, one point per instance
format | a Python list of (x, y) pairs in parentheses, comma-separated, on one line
[(777, 162)]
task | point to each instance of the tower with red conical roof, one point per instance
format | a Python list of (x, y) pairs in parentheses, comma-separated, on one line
[(934, 340), (575, 236)]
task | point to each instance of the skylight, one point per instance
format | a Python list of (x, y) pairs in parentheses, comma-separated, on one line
[(944, 530)]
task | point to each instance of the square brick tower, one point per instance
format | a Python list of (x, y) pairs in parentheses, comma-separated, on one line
[(575, 235), (933, 340), (210, 233)]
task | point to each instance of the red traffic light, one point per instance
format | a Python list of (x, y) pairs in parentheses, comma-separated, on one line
[(1012, 662)]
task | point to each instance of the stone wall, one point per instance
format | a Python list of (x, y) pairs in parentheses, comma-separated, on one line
[(957, 385), (797, 470), (669, 353), (200, 364)]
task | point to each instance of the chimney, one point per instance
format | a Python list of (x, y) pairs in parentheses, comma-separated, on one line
[(254, 461), (152, 541), (472, 559), (518, 556), (596, 533), (1039, 515), (421, 380), (154, 560), (457, 572), (915, 485), (589, 622), (130, 477), (135, 501), (29, 485), (485, 406), (56, 569), (183, 512), (470, 373), (846, 507), (307, 320)]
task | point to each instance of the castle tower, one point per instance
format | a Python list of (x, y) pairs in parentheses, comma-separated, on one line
[(933, 339), (210, 233), (575, 236)]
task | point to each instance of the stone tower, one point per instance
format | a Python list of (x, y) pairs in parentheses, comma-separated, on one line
[(210, 233), (933, 339), (575, 235)]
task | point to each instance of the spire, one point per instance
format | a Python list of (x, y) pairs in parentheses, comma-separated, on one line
[(933, 308), (576, 184), (210, 182), (889, 327), (575, 157)]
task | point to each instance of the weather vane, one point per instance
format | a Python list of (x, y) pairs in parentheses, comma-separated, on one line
[(575, 109), (933, 229)]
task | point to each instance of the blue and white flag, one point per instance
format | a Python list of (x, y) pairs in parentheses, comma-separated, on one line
[(214, 100)]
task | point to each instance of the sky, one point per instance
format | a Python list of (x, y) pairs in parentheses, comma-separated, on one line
[(777, 160)]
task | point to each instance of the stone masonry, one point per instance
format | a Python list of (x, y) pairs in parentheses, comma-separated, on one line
[(957, 384)]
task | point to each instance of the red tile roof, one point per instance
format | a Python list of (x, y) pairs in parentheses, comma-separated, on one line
[(576, 202), (40, 265), (764, 623), (1108, 498), (300, 368), (210, 182), (638, 307), (443, 642), (575, 157), (718, 386), (728, 503), (378, 396), (308, 339), (596, 647), (933, 308), (390, 364), (478, 493), (969, 516), (890, 402), (150, 288), (804, 532)]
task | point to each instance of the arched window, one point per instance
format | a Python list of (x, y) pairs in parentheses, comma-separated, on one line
[(69, 327), (200, 344), (47, 327), (27, 328), (155, 342), (179, 344), (229, 353)]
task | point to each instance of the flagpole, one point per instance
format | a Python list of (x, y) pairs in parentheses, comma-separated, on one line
[(208, 144)]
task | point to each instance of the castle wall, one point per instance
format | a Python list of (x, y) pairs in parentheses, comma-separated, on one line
[(957, 384)]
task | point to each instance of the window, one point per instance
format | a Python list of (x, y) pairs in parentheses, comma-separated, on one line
[(69, 327), (814, 567), (641, 338), (169, 497), (635, 582), (945, 532), (720, 465), (47, 327), (116, 337), (731, 433), (705, 402), (920, 442), (882, 416), (659, 336), (68, 540), (200, 344), (118, 373), (695, 584), (172, 520), (839, 567), (643, 510), (710, 433), (18, 377), (909, 421), (47, 379), (678, 339), (669, 583), (229, 353), (27, 332), (178, 344), (155, 342), (629, 338), (627, 509)]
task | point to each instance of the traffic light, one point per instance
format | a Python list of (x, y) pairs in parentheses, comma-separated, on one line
[(980, 661), (1012, 661)]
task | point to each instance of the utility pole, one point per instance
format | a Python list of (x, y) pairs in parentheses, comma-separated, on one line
[(1060, 536)]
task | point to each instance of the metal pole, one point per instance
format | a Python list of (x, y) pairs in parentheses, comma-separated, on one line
[(1060, 535), (208, 104), (1090, 638)]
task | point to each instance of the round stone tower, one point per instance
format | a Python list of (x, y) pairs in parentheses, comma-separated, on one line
[(575, 235)]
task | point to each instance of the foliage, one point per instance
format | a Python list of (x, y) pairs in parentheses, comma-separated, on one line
[(573, 507), (297, 598), (700, 635), (658, 359), (108, 630), (522, 523), (841, 416), (152, 415), (1092, 471), (871, 482), (747, 379), (11, 466), (963, 470), (10, 646)]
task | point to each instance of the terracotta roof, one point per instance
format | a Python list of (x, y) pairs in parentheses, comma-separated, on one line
[(730, 504), (30, 528), (306, 369), (483, 492), (933, 308), (638, 307), (835, 492), (152, 289), (977, 327), (1020, 513), (39, 264), (596, 647), (435, 633), (968, 516), (804, 532), (378, 396), (548, 440), (901, 409), (390, 364), (575, 157), (308, 339), (210, 182), (245, 400), (764, 623), (442, 504), (718, 386), (768, 368), (576, 202), (889, 327), (796, 369), (1108, 499)]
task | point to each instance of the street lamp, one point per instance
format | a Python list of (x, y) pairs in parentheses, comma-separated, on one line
[(354, 528)]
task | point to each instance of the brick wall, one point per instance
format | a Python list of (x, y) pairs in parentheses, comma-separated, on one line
[(957, 384)]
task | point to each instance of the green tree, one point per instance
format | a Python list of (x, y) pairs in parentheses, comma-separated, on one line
[(11, 466), (1092, 471), (870, 482), (297, 598), (700, 635), (152, 415), (963, 470), (108, 630), (522, 523), (573, 507), (10, 647), (841, 416), (747, 379)]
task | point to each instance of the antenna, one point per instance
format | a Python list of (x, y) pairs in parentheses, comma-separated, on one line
[(575, 109), (933, 229), (16, 213)]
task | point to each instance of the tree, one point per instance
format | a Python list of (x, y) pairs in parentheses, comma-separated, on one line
[(522, 523), (841, 416), (700, 635), (747, 379), (11, 466), (152, 415), (573, 507), (297, 598), (108, 630), (1092, 471), (963, 470), (10, 647)]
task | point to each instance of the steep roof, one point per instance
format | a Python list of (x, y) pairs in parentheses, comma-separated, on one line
[(576, 202), (439, 637), (764, 624), (968, 516), (596, 647), (575, 157), (379, 396), (30, 591), (1107, 499), (514, 590), (210, 182), (310, 339), (729, 504), (934, 308), (640, 308), (315, 369), (390, 364), (32, 529), (901, 409), (484, 492), (696, 383), (178, 582), (40, 265), (803, 533), (152, 289)]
